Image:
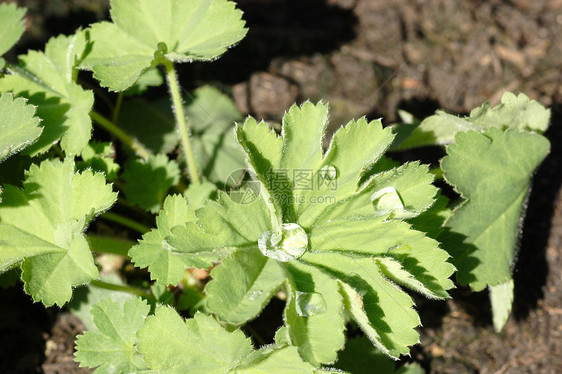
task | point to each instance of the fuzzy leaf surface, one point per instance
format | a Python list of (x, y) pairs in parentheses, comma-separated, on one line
[(276, 360), (381, 309), (514, 112), (112, 344), (313, 314), (165, 265), (242, 287), (42, 228), (18, 125), (492, 171), (47, 79), (191, 30), (198, 345), (273, 238), (358, 222), (198, 239), (501, 299), (11, 19), (124, 339)]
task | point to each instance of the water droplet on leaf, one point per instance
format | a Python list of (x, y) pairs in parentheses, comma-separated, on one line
[(386, 201), (310, 304), (255, 294), (289, 244)]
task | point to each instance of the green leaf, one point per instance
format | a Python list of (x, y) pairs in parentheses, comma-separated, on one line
[(198, 345), (275, 360), (361, 357), (197, 194), (48, 81), (100, 157), (353, 150), (151, 122), (514, 112), (18, 125), (242, 286), (432, 220), (11, 19), (492, 171), (418, 255), (313, 314), (220, 227), (269, 237), (165, 265), (152, 78), (501, 298), (411, 368), (128, 47), (112, 345), (382, 310), (147, 181), (211, 116), (86, 297), (124, 340), (42, 228)]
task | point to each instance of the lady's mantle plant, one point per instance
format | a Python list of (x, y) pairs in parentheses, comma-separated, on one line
[(326, 229), (336, 246)]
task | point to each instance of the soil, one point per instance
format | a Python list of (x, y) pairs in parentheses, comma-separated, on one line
[(372, 57)]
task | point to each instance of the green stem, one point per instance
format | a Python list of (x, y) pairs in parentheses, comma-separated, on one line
[(117, 287), (124, 221), (180, 120), (117, 108), (120, 134)]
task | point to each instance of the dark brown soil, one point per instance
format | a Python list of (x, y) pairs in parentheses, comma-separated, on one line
[(372, 57)]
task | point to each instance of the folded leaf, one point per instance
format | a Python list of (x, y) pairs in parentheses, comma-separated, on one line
[(198, 240)]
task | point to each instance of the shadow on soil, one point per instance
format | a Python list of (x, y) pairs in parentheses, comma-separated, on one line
[(277, 28), (531, 269)]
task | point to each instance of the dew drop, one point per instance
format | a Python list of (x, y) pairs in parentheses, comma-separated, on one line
[(288, 245), (310, 304), (255, 294), (387, 201)]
